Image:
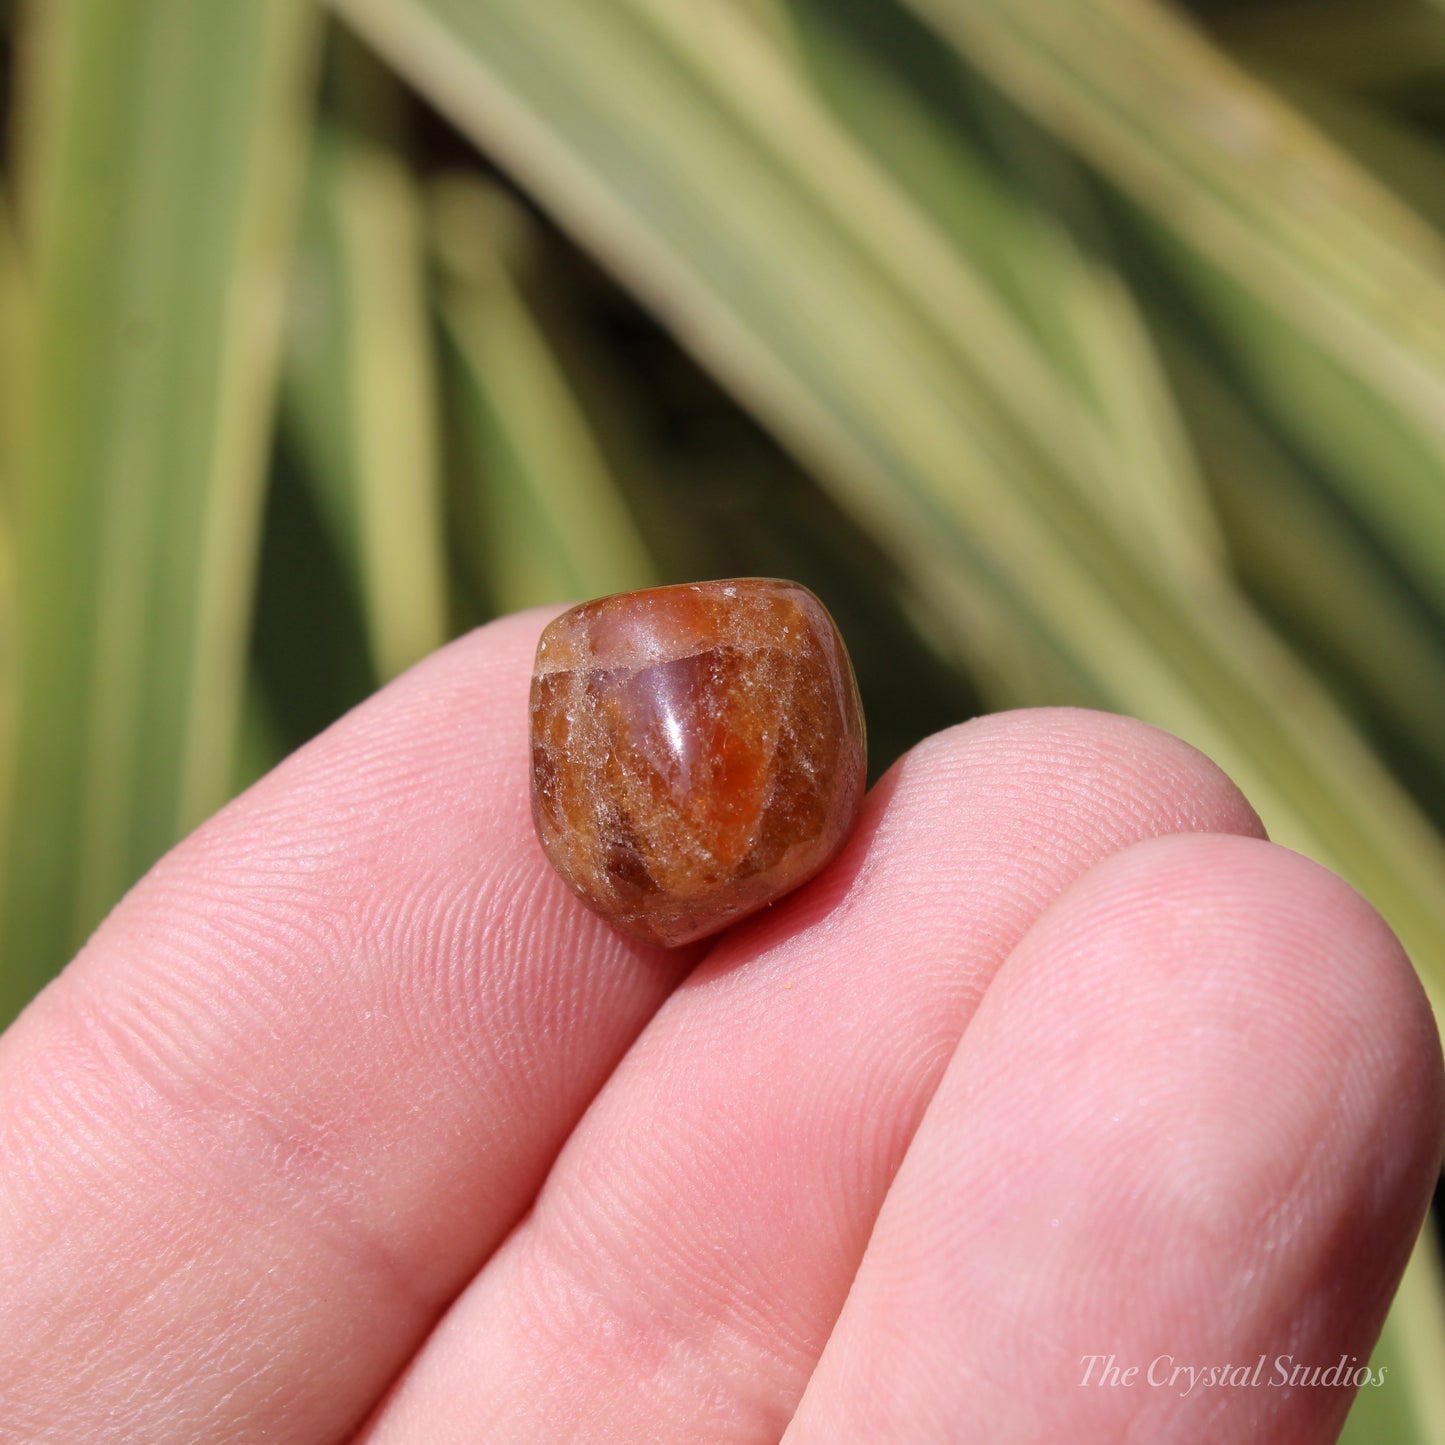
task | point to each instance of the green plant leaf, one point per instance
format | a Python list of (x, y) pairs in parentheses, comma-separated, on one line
[(1408, 1406), (1383, 46), (546, 518), (1015, 205), (1403, 156), (1306, 560), (1250, 185), (361, 389), (14, 320), (779, 270), (14, 346), (160, 148)]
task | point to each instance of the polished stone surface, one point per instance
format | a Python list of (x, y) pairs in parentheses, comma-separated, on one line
[(697, 751)]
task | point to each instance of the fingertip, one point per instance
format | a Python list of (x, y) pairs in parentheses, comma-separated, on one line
[(1022, 786), (1298, 967), (1196, 1114)]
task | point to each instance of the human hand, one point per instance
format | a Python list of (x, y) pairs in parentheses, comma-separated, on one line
[(351, 1118)]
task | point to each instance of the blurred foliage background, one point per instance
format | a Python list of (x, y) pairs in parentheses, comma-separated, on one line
[(1075, 351)]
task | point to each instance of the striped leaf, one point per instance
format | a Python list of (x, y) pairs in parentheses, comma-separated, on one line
[(159, 153), (361, 389), (881, 366)]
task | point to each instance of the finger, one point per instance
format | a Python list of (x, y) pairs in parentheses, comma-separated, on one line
[(1195, 1123), (694, 1243), (304, 1079)]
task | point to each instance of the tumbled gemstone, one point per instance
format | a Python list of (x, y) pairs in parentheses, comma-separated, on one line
[(697, 751)]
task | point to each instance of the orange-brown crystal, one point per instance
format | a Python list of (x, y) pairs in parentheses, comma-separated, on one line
[(697, 751)]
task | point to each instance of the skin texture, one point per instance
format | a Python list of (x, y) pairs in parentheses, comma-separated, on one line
[(351, 1118)]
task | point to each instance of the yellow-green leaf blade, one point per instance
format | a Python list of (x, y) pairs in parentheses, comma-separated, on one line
[(1250, 185), (158, 186), (362, 390), (617, 128), (550, 521)]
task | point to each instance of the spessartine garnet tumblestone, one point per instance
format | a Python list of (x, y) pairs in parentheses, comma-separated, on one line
[(697, 751)]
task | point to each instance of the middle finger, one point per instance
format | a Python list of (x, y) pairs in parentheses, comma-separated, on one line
[(695, 1241)]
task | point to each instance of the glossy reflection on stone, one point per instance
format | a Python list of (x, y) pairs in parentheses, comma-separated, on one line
[(697, 751)]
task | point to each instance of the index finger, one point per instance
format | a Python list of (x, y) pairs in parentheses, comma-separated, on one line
[(304, 1079)]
